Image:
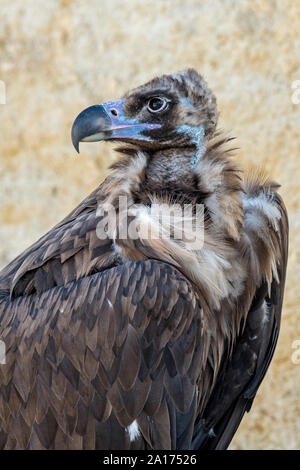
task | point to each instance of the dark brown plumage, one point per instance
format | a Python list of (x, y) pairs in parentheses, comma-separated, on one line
[(132, 342)]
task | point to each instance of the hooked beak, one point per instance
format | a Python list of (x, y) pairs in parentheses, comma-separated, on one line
[(107, 122)]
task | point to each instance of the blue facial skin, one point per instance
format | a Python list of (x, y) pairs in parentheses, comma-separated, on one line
[(107, 121), (197, 135), (123, 127)]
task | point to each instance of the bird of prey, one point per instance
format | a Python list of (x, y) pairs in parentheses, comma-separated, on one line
[(121, 334)]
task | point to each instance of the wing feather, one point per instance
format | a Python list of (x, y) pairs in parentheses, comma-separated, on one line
[(242, 375), (98, 362)]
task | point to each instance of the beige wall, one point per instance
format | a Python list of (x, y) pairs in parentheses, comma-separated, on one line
[(57, 57)]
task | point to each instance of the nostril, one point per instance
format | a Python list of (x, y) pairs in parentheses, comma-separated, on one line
[(114, 112)]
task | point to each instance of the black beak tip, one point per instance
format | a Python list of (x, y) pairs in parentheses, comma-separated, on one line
[(74, 136), (89, 122), (76, 145)]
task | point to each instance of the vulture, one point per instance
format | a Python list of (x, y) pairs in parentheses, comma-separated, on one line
[(148, 317)]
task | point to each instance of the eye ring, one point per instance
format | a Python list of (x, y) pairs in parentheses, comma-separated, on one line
[(156, 104)]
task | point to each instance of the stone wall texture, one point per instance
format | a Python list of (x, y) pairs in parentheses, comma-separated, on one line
[(60, 56)]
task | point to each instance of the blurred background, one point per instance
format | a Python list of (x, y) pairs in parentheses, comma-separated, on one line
[(60, 56)]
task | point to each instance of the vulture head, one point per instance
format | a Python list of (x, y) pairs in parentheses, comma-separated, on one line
[(172, 110)]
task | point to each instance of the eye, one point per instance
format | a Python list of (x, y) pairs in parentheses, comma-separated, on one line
[(156, 104)]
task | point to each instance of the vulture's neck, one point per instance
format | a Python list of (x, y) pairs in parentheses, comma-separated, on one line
[(165, 178), (171, 169), (213, 181)]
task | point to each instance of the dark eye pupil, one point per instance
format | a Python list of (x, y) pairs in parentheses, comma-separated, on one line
[(155, 104)]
